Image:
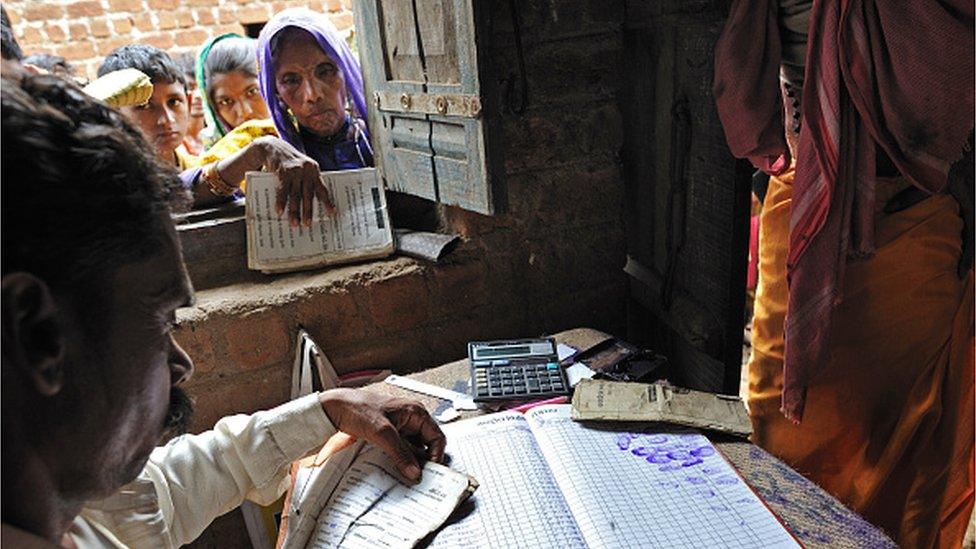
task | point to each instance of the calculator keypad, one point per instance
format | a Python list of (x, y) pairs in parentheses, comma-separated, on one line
[(501, 380)]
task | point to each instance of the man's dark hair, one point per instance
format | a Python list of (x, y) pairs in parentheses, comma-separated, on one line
[(187, 64), (9, 48), (154, 62), (80, 190), (52, 63)]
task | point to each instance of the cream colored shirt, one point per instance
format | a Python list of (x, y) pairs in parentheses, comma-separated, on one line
[(196, 478)]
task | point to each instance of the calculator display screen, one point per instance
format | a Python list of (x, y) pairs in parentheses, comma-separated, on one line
[(503, 351)]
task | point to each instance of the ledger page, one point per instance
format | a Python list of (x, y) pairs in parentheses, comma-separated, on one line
[(651, 488), (517, 503)]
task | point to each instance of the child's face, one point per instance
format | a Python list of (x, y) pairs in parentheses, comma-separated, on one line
[(163, 119)]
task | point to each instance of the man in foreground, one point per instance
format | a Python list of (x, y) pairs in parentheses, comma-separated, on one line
[(92, 278)]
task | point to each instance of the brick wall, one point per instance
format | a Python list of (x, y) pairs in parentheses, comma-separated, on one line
[(85, 31)]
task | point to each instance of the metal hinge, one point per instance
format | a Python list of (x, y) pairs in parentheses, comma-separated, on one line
[(444, 104)]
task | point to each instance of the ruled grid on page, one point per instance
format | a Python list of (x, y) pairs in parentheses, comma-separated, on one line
[(657, 488)]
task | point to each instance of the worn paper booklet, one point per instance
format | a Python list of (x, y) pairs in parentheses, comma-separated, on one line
[(548, 481), (358, 499), (360, 228), (623, 401)]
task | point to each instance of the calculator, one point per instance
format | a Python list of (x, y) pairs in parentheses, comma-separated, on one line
[(516, 370)]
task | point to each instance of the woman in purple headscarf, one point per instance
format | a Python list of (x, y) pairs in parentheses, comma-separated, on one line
[(314, 89)]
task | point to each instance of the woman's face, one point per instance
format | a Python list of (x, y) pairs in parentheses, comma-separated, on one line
[(237, 99), (311, 84)]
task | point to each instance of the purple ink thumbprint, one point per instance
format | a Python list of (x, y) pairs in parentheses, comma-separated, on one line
[(658, 458), (703, 451), (640, 451), (623, 442)]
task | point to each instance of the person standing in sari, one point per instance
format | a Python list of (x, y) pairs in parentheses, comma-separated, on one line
[(861, 376)]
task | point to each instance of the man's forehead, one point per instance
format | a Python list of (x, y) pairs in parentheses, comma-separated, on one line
[(160, 279)]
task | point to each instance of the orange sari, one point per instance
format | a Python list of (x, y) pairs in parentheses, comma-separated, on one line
[(889, 423)]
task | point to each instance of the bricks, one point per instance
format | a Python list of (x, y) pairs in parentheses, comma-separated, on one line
[(87, 8), (55, 33), (30, 36), (38, 11), (258, 339), (204, 17), (398, 303), (162, 40), (333, 318), (163, 4), (144, 22), (199, 345), (108, 45), (119, 6), (99, 28), (78, 31), (166, 20), (201, 3), (226, 14), (241, 393), (122, 25), (253, 14), (194, 38), (184, 19), (334, 5), (77, 51)]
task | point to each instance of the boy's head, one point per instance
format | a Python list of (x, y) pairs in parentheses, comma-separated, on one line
[(164, 118)]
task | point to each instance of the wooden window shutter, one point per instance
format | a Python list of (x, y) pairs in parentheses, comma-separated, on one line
[(426, 108)]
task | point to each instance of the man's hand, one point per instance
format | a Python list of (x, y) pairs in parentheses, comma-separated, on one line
[(402, 428), (299, 180)]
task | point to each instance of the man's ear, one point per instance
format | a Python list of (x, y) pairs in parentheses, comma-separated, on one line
[(33, 339)]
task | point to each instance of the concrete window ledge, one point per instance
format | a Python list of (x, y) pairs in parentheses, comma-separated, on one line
[(398, 313)]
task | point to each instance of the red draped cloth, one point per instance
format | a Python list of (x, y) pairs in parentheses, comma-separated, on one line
[(880, 74)]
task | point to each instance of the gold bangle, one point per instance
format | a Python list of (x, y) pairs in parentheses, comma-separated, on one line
[(217, 185)]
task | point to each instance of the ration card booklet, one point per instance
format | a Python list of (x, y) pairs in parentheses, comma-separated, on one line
[(358, 500), (359, 230), (548, 481)]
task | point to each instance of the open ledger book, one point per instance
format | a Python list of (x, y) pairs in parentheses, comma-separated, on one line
[(359, 230), (548, 481)]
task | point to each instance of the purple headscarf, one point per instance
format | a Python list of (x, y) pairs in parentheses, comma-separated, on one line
[(327, 36)]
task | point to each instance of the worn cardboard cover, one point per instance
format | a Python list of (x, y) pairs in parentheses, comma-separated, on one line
[(621, 401)]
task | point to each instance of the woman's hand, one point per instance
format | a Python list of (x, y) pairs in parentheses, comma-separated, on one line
[(401, 428), (299, 180)]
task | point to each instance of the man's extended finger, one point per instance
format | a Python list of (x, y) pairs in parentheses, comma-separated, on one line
[(388, 439), (413, 420)]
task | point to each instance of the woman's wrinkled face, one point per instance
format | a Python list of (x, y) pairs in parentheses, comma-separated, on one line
[(237, 99), (310, 83)]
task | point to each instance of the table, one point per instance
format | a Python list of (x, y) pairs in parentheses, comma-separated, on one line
[(815, 517)]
